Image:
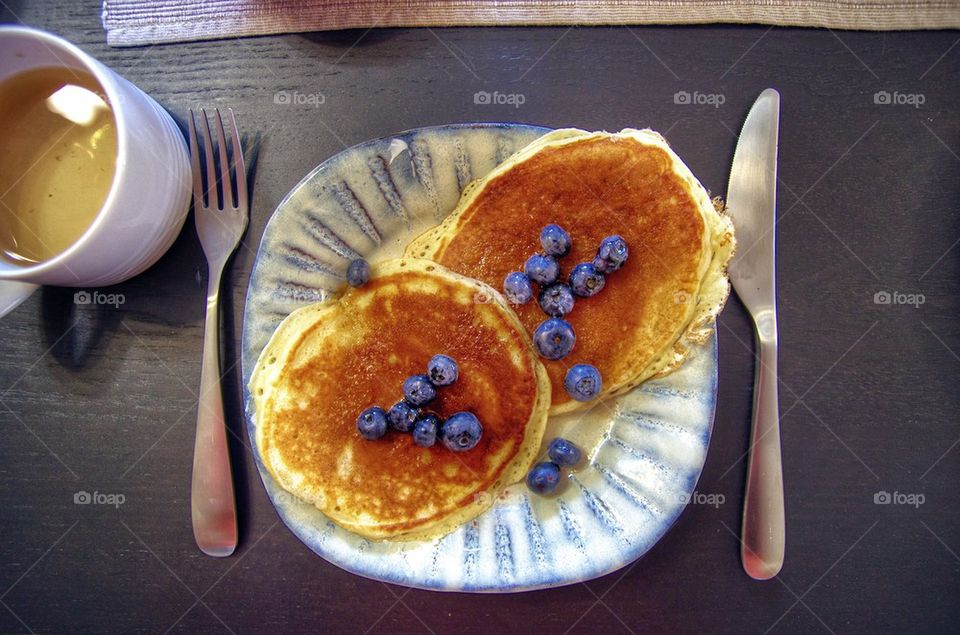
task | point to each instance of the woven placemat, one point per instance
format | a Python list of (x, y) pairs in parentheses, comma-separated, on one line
[(135, 22)]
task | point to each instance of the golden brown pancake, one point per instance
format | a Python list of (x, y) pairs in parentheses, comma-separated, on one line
[(328, 362), (666, 296)]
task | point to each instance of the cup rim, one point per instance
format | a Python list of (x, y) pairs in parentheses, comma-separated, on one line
[(107, 82)]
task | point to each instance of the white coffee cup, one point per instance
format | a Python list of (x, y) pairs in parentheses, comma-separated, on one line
[(148, 200)]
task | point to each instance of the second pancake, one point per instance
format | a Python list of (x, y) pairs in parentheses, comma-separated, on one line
[(666, 297)]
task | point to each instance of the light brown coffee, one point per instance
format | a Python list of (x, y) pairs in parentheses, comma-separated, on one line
[(58, 154)]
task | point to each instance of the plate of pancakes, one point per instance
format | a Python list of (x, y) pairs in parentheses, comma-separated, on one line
[(442, 214)]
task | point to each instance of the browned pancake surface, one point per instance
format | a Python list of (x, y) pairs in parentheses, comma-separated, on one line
[(386, 332)]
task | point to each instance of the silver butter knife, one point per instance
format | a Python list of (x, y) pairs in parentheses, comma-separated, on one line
[(751, 203)]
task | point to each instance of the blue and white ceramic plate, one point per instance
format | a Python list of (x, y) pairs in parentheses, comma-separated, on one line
[(646, 448)]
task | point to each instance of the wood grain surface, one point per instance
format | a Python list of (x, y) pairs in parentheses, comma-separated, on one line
[(98, 398)]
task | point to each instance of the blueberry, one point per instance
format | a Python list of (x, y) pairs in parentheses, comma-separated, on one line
[(583, 382), (461, 432), (372, 423), (516, 286), (542, 269), (556, 300), (358, 273), (554, 338), (418, 390), (611, 255), (425, 430), (544, 477), (401, 416), (442, 370), (562, 452), (586, 281), (555, 241)]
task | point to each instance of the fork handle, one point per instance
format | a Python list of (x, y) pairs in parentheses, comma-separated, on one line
[(212, 503), (762, 542)]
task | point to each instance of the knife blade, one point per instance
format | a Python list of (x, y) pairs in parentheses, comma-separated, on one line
[(751, 203)]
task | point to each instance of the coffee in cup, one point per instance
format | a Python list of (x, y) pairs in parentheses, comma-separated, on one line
[(95, 177)]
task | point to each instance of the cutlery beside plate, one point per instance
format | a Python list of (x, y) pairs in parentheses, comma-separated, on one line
[(751, 202)]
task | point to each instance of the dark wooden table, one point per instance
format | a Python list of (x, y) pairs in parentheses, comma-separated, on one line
[(97, 398)]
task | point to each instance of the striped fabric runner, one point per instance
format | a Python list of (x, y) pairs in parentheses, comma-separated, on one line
[(136, 22)]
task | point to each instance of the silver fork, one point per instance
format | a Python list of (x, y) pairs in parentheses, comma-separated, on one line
[(221, 222)]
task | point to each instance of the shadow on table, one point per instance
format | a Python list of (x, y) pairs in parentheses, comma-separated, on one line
[(232, 375), (349, 38), (76, 321), (78, 324)]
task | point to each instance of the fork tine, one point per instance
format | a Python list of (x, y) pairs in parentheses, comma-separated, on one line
[(213, 176), (195, 166), (225, 181), (238, 163)]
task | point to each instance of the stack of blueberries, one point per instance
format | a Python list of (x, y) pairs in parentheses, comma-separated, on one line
[(460, 432), (554, 338), (544, 477)]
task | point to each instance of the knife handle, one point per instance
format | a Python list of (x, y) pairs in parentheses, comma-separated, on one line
[(763, 535)]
